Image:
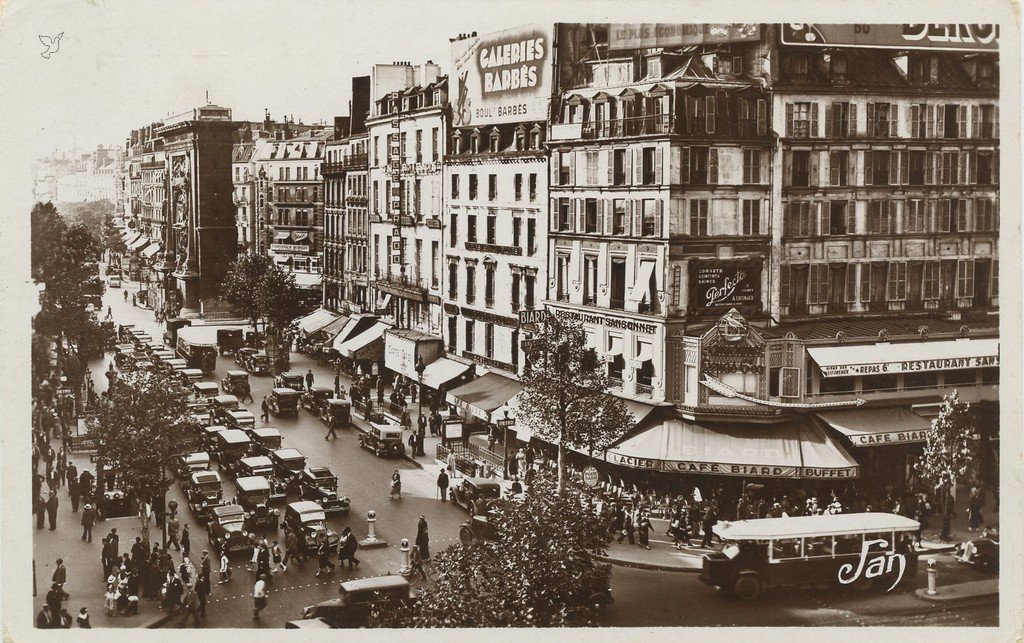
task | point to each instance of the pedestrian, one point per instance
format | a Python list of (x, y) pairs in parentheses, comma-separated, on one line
[(134, 300), (627, 529), (330, 430), (110, 315), (442, 485), (60, 576), (277, 559), (947, 515), (396, 486), (421, 425), (205, 566), (125, 293), (185, 542), (974, 505), (73, 492), (40, 509), (709, 520), (259, 597), (138, 552), (337, 385), (643, 529), (173, 526), (190, 606), (225, 570), (83, 618), (517, 487), (46, 620), (203, 591), (265, 410), (51, 510), (263, 560), (412, 444), (423, 539), (246, 392), (349, 545), (309, 379), (88, 520)]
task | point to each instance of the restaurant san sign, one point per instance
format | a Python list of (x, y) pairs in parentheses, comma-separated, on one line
[(717, 285), (958, 37), (503, 77)]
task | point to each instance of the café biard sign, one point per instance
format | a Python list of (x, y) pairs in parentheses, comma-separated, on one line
[(911, 366), (752, 470)]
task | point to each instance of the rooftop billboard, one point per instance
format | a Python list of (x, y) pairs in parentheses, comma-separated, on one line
[(894, 36)]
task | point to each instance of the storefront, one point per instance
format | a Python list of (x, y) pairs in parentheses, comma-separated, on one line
[(418, 357), (897, 432), (361, 342), (315, 321), (482, 397)]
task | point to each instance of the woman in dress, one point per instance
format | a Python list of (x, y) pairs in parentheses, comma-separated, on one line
[(396, 485)]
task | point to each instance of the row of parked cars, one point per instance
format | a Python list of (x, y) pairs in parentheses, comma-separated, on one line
[(138, 349)]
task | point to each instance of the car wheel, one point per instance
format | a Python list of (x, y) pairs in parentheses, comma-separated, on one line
[(466, 537), (747, 587)]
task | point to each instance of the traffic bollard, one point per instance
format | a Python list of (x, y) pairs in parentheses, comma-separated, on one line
[(406, 567), (933, 577), (371, 539)]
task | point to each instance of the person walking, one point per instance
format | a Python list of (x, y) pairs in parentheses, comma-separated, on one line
[(396, 486), (708, 522), (277, 559), (259, 597), (423, 539), (413, 441), (627, 529), (88, 520), (337, 385), (947, 515), (263, 560), (309, 379), (442, 485), (330, 430), (51, 510), (135, 301), (349, 545), (73, 492), (203, 591), (291, 549), (83, 618), (125, 293), (205, 566), (643, 530), (185, 542), (190, 606), (60, 577), (110, 315), (173, 526), (246, 392), (225, 570), (265, 410), (974, 505), (40, 509)]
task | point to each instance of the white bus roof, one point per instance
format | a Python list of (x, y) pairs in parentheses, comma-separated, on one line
[(808, 526)]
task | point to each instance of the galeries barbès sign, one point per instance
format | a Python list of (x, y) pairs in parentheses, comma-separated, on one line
[(503, 77), (718, 284), (957, 37)]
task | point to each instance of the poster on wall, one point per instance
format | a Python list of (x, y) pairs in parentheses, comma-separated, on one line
[(502, 77), (716, 285), (954, 37), (678, 34)]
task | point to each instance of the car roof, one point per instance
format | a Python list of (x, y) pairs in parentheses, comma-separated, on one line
[(257, 461), (193, 371), (323, 389), (216, 428), (482, 482), (205, 476), (320, 471), (287, 453), (226, 399), (237, 373), (252, 483), (198, 456), (305, 506), (808, 526), (292, 374), (228, 510), (234, 436), (374, 583), (282, 390), (266, 432), (206, 385), (337, 401), (234, 412)]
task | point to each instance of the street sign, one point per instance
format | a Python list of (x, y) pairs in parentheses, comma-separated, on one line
[(533, 316), (505, 423), (591, 477)]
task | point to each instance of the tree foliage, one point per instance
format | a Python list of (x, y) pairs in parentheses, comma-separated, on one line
[(143, 421), (257, 289), (565, 398), (92, 215), (541, 571), (951, 445)]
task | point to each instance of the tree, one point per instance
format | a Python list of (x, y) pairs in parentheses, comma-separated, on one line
[(951, 445), (540, 571), (141, 424), (46, 228), (90, 214), (565, 398), (242, 285)]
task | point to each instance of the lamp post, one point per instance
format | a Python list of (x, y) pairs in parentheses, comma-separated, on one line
[(420, 367)]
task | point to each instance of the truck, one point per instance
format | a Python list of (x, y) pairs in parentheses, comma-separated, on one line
[(197, 345)]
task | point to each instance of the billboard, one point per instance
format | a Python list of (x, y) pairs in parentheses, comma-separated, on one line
[(649, 35), (894, 36), (502, 77), (715, 285)]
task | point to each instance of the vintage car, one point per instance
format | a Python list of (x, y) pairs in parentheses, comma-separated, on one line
[(358, 598), (203, 492), (307, 519), (481, 492), (264, 440), (226, 531), (162, 355), (240, 418), (229, 340), (208, 437), (170, 336), (124, 354), (981, 553), (114, 281), (337, 413), (258, 363), (288, 463), (177, 366), (292, 380), (190, 376), (315, 398), (383, 439), (186, 464), (262, 466), (283, 401), (254, 496), (320, 485), (226, 410), (205, 391), (479, 527), (232, 446), (235, 383), (243, 354)]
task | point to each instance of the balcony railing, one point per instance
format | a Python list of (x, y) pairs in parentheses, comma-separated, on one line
[(644, 390), (494, 248), (403, 285), (350, 162), (634, 126)]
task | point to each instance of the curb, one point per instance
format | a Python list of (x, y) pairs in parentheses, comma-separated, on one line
[(648, 566), (937, 550)]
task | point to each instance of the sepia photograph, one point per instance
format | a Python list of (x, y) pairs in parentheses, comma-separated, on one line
[(349, 315)]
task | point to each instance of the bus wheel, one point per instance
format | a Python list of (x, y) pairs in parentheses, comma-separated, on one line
[(747, 587)]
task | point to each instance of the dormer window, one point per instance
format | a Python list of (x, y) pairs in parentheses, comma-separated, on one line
[(922, 69), (495, 140), (986, 72), (474, 142), (837, 67), (535, 137), (797, 64), (457, 143)]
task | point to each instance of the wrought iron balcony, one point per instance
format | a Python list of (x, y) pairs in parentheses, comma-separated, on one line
[(634, 126), (403, 285)]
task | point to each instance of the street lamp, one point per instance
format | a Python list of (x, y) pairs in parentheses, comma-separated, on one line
[(420, 367)]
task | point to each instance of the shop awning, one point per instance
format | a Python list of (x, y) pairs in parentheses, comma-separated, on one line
[(366, 345), (331, 330), (484, 395), (873, 427), (315, 320), (443, 370), (308, 279), (280, 258), (797, 449), (130, 235), (877, 359), (151, 250), (642, 415), (300, 236), (642, 284), (282, 235), (355, 325), (138, 243)]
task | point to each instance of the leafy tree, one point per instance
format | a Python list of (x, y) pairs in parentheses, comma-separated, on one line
[(46, 228), (90, 214), (951, 444), (565, 398), (142, 423), (540, 571), (242, 284)]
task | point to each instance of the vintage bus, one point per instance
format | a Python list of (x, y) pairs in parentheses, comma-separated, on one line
[(197, 345), (861, 551)]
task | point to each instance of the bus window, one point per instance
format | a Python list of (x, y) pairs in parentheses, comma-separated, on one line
[(785, 548), (818, 546), (887, 537), (849, 544)]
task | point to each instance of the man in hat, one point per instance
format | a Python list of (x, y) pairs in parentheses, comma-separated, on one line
[(88, 520), (51, 510)]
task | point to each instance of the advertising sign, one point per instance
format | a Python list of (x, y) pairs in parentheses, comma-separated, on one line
[(649, 35), (909, 366), (453, 429), (719, 284), (730, 469), (591, 477), (894, 437), (894, 36), (503, 77)]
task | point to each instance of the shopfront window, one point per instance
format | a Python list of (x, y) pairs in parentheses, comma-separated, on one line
[(961, 377), (878, 383), (925, 379), (837, 385)]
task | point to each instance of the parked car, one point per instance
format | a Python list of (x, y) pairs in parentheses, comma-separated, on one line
[(981, 553), (114, 281), (187, 464), (207, 437), (254, 496), (226, 531), (190, 376), (307, 519), (357, 599), (479, 527), (320, 485), (258, 363), (292, 380), (283, 401), (262, 466), (205, 391), (240, 418), (203, 492), (288, 464), (383, 439), (315, 398), (264, 440), (242, 354), (235, 383), (336, 413), (232, 446), (481, 492), (229, 340)]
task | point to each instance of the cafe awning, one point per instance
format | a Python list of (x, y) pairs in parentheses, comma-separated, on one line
[(443, 370), (642, 283), (878, 359), (130, 235), (368, 344), (797, 449), (316, 320), (308, 279), (484, 395), (331, 330), (642, 414), (874, 427), (151, 250), (138, 243), (281, 235)]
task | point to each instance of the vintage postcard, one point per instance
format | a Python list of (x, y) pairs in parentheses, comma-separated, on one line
[(437, 316)]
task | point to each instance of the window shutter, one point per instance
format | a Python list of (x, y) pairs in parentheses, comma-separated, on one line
[(762, 117), (915, 118), (638, 163), (572, 168), (973, 165), (929, 168), (894, 111), (851, 217), (823, 217), (787, 168), (658, 210), (636, 210), (609, 158), (659, 178), (627, 166), (789, 119), (554, 215), (905, 167), (684, 165), (940, 122), (944, 215), (556, 160), (869, 166), (606, 214), (853, 119), (830, 113), (709, 113), (851, 160), (871, 120), (814, 121), (961, 118), (894, 167), (995, 121), (713, 165), (975, 120), (963, 223), (929, 124), (814, 169), (784, 286), (962, 163), (865, 282)]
